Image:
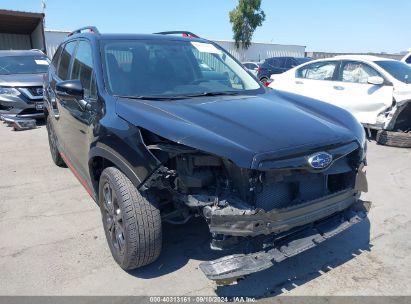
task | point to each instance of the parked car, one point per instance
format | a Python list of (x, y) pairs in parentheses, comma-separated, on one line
[(278, 65), (252, 67), (407, 58), (21, 83), (377, 91), (257, 166)]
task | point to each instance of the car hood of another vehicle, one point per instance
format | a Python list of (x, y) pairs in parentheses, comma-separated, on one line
[(241, 127), (21, 80)]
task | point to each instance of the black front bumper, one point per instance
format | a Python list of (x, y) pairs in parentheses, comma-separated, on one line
[(283, 246), (245, 222)]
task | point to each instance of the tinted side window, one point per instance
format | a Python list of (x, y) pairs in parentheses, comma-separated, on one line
[(319, 70), (289, 63), (408, 60), (283, 62), (273, 62), (357, 72), (65, 60), (56, 57), (83, 69)]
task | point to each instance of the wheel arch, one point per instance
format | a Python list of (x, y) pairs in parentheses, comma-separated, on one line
[(104, 157)]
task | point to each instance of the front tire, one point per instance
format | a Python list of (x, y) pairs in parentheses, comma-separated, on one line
[(131, 221), (54, 151)]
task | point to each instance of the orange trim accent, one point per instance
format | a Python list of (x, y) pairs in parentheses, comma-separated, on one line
[(77, 175)]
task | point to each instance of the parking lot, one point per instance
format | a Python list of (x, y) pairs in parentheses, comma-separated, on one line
[(52, 240)]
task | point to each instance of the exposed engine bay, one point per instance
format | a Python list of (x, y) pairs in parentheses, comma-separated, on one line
[(239, 202)]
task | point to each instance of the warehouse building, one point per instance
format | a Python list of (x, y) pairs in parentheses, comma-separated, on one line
[(256, 52)]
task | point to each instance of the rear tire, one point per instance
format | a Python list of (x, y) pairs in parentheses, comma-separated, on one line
[(54, 151), (131, 221), (395, 139)]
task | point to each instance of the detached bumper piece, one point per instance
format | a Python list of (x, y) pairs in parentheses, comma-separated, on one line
[(228, 269), (19, 123)]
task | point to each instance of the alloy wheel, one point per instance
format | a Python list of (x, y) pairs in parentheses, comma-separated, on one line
[(113, 219)]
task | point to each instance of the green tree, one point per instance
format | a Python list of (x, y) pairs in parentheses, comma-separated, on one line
[(245, 18)]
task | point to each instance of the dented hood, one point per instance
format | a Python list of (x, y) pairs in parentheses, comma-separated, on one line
[(241, 127)]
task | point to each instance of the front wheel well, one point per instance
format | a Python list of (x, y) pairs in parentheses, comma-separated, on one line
[(97, 165)]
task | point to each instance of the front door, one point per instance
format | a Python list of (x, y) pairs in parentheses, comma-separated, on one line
[(75, 120), (353, 92)]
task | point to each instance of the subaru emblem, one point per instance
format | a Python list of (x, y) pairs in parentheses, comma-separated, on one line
[(320, 160)]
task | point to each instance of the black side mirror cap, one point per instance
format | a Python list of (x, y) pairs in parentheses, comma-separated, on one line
[(70, 89)]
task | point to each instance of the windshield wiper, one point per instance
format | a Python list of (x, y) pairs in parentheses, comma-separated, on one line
[(227, 93), (175, 97), (153, 97)]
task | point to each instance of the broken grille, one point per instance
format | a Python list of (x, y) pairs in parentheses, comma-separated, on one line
[(280, 190)]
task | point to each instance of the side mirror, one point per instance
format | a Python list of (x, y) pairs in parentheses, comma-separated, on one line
[(73, 89), (70, 89), (376, 80)]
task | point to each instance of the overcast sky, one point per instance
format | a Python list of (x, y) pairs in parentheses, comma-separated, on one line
[(321, 25)]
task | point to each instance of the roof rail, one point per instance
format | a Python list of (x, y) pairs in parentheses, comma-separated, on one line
[(91, 29), (184, 33)]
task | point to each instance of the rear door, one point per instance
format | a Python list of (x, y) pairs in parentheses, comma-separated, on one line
[(353, 92)]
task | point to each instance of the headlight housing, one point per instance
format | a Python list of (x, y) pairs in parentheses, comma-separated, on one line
[(9, 91)]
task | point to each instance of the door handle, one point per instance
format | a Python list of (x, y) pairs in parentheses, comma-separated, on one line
[(339, 88), (299, 82)]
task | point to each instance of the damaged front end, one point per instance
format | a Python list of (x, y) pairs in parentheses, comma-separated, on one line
[(281, 205), (397, 117)]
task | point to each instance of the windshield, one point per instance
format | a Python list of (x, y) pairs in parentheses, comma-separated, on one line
[(397, 69), (172, 68), (23, 64)]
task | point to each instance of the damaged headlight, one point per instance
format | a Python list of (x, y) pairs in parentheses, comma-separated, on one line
[(9, 91)]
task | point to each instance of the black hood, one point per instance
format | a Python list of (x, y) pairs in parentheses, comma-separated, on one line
[(241, 127)]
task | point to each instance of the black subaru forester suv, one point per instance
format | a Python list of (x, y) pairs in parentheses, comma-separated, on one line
[(155, 137)]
